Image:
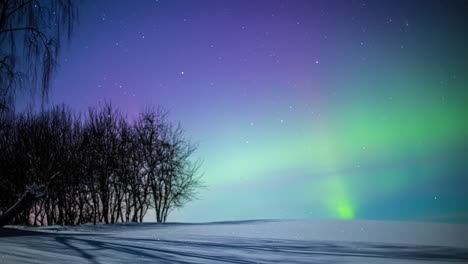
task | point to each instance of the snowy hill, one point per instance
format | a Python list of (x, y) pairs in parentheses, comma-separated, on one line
[(262, 241)]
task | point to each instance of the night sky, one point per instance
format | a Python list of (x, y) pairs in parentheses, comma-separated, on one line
[(302, 109)]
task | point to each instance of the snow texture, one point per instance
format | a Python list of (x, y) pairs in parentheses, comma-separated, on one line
[(262, 241)]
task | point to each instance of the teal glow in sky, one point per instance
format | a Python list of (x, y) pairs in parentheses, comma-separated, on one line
[(302, 109)]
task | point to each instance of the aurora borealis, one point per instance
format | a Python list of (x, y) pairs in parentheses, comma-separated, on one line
[(302, 109)]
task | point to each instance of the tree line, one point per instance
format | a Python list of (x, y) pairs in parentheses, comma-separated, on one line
[(93, 167)]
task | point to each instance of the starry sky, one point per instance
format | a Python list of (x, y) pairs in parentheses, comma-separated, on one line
[(301, 109)]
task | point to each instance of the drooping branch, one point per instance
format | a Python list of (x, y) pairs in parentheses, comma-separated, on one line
[(34, 28)]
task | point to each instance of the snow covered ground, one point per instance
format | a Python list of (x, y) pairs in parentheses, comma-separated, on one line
[(262, 241)]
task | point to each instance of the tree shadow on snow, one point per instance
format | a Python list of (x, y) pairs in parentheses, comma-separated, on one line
[(249, 250), (320, 248), (102, 248)]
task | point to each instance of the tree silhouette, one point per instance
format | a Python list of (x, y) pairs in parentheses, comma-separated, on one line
[(172, 175), (57, 167), (30, 40)]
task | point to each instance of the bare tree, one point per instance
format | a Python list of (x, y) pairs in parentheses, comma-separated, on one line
[(30, 40), (172, 174), (149, 129), (179, 175), (103, 129)]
